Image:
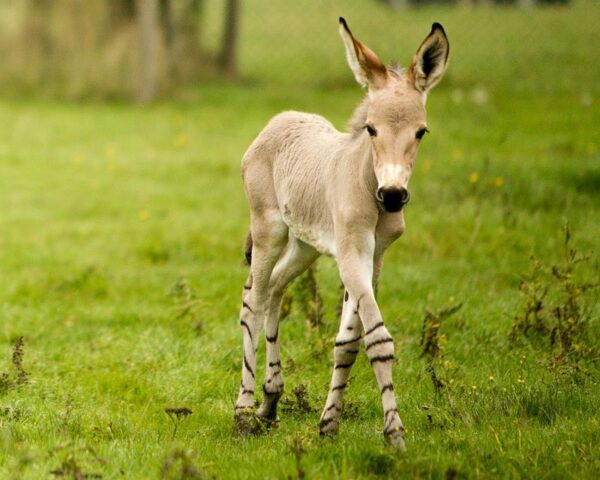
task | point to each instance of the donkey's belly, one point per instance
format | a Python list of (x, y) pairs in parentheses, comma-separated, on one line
[(322, 241), (316, 232)]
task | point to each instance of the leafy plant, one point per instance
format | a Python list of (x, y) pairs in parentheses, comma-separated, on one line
[(304, 293), (178, 465), (186, 303), (18, 376), (557, 307), (432, 342), (299, 403)]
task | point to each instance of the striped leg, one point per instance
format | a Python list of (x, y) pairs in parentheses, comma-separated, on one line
[(296, 259), (269, 240), (250, 331), (346, 348), (357, 275)]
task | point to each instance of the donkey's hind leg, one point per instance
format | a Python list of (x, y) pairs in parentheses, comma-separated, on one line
[(269, 234), (347, 344), (296, 259)]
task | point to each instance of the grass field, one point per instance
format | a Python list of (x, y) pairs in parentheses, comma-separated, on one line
[(121, 232)]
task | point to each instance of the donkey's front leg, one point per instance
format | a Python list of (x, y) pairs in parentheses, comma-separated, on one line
[(356, 269), (346, 348)]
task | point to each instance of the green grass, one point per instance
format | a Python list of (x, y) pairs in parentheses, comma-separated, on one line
[(103, 207)]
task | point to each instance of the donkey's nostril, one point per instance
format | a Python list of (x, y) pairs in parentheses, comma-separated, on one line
[(405, 196), (393, 199)]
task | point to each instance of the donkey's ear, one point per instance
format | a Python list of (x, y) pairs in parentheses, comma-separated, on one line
[(429, 63), (366, 66)]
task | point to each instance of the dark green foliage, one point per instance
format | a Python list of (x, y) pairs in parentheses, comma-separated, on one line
[(432, 341), (299, 402), (558, 308), (18, 376), (303, 294), (179, 465)]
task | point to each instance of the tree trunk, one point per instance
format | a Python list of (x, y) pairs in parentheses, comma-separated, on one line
[(228, 56), (122, 11), (147, 11)]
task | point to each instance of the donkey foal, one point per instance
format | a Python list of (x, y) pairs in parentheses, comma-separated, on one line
[(313, 190)]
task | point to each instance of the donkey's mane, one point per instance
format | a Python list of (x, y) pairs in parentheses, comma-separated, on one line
[(359, 117)]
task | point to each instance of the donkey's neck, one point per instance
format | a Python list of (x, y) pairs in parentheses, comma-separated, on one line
[(356, 125)]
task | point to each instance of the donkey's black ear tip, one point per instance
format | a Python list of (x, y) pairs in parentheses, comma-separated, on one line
[(343, 22), (437, 26)]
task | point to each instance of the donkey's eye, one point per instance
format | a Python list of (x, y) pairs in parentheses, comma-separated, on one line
[(421, 132), (372, 132)]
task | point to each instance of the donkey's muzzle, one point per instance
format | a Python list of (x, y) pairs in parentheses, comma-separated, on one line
[(393, 199)]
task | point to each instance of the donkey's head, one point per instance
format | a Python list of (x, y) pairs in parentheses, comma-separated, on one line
[(395, 117)]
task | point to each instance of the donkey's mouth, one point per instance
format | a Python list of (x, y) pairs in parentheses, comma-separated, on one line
[(392, 208)]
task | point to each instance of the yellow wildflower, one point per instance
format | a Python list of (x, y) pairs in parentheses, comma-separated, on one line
[(181, 140)]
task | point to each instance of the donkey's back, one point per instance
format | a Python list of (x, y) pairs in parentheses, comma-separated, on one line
[(289, 135), (287, 168)]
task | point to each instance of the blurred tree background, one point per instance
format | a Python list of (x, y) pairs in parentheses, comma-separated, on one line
[(106, 48), (144, 49)]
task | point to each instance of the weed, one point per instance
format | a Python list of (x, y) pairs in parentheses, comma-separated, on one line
[(378, 462), (17, 361), (66, 417), (186, 303), (557, 308), (534, 292), (12, 380), (76, 461), (70, 468), (176, 414), (432, 343), (178, 465), (10, 413), (304, 292), (299, 403), (350, 410), (297, 447)]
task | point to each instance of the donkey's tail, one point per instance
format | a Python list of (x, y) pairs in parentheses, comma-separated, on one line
[(248, 249)]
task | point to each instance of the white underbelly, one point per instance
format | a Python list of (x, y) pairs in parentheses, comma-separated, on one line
[(320, 239)]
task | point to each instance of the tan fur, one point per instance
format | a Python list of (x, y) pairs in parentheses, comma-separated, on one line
[(313, 190)]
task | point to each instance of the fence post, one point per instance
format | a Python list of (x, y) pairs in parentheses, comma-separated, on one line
[(147, 11), (228, 56)]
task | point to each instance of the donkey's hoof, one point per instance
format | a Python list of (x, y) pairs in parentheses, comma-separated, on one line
[(246, 423), (267, 411), (395, 437), (268, 421), (328, 427)]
